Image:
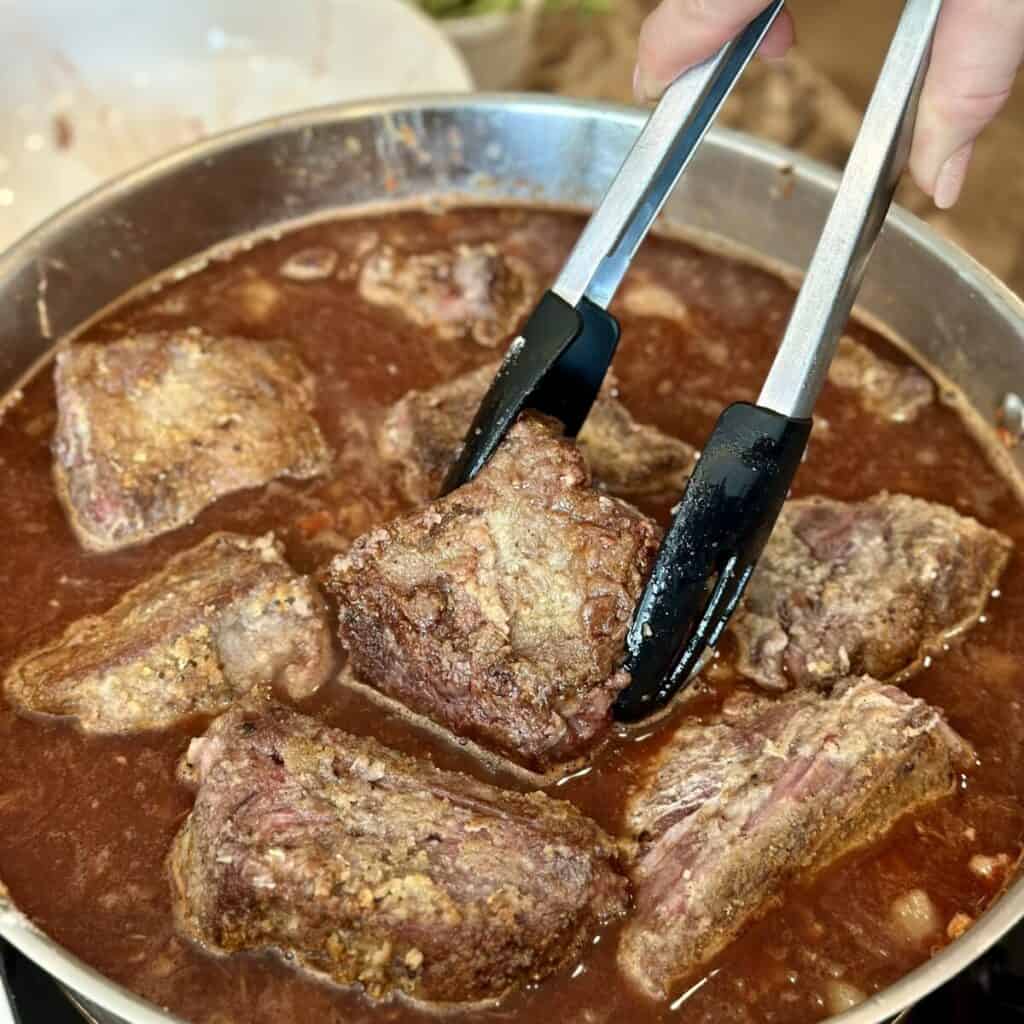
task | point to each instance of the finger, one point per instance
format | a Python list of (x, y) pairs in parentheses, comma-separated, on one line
[(978, 48), (680, 33), (779, 39)]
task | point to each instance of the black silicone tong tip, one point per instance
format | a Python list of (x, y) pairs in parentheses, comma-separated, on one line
[(557, 367), (721, 526)]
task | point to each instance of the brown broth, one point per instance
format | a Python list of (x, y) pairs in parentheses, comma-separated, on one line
[(85, 822)]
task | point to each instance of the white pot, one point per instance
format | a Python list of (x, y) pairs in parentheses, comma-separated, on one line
[(496, 46)]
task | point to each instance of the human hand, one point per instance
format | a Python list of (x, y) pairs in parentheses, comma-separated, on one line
[(979, 45)]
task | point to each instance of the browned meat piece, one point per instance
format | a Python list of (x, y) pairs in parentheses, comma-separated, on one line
[(425, 428), (896, 393), (154, 427), (643, 296), (377, 869), (471, 290), (630, 459), (500, 611), (864, 587), (219, 621), (777, 788)]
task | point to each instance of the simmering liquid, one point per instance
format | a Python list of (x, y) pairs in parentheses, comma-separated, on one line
[(86, 822)]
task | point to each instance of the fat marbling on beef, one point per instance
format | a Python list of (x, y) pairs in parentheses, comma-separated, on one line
[(153, 427), (732, 810), (469, 290), (499, 612), (374, 868), (845, 588), (424, 429), (219, 621)]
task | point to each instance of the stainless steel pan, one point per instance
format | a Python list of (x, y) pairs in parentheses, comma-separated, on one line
[(739, 192)]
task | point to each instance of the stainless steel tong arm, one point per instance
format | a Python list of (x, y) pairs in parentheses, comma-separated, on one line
[(837, 266), (659, 156)]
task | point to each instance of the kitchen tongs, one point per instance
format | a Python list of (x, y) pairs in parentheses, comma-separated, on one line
[(740, 481)]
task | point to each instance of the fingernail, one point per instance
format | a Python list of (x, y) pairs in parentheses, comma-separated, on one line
[(646, 88), (950, 179)]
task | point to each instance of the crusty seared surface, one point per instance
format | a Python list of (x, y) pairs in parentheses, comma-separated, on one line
[(777, 788), (845, 588), (219, 621), (153, 427), (424, 430), (500, 611), (378, 869)]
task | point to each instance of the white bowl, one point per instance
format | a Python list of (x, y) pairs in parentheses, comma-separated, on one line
[(93, 89)]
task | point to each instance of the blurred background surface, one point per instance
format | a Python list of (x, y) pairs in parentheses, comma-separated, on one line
[(812, 101), (93, 89)]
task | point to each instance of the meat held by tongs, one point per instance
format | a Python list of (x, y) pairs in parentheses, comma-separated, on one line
[(738, 486)]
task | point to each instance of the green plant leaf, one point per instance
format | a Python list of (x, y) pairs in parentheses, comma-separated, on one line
[(467, 8)]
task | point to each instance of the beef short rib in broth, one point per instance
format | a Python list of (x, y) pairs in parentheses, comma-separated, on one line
[(893, 392), (499, 612), (87, 820), (863, 587), (153, 427), (220, 621), (470, 290), (377, 869), (423, 431), (730, 811)]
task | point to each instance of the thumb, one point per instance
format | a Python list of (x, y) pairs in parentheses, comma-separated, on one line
[(978, 49), (681, 33)]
